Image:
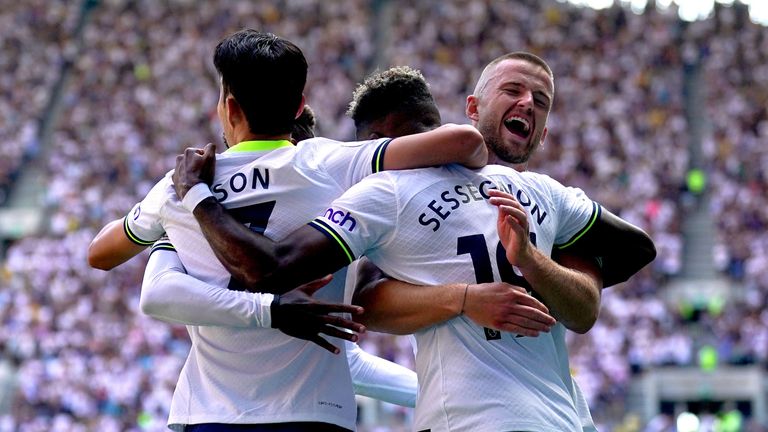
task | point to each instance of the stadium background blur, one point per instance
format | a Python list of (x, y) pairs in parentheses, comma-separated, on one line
[(660, 119)]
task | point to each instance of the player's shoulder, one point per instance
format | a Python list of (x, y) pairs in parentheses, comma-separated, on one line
[(528, 178), (322, 145), (163, 188), (541, 179), (312, 154), (319, 152), (318, 144)]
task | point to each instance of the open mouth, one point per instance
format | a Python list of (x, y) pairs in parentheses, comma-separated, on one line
[(518, 126)]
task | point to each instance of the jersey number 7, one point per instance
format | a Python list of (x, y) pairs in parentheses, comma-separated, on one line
[(256, 217)]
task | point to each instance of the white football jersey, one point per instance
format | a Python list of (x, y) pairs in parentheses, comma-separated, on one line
[(433, 226), (260, 375)]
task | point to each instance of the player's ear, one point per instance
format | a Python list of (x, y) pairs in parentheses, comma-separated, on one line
[(471, 108), (543, 137), (235, 113), (301, 106)]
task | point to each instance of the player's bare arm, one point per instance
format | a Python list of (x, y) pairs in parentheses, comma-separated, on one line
[(112, 247), (450, 143), (398, 307), (260, 263), (573, 296), (304, 255)]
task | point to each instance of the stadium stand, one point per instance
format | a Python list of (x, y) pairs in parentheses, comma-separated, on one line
[(77, 355)]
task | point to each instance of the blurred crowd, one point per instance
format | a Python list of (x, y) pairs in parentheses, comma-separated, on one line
[(33, 44), (144, 88)]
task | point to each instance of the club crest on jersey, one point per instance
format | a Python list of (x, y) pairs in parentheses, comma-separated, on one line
[(491, 334), (341, 218)]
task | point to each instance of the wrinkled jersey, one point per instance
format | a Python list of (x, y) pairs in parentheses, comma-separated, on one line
[(434, 226), (260, 375)]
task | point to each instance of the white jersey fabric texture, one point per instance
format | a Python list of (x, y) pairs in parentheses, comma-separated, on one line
[(434, 226), (259, 375), (169, 294)]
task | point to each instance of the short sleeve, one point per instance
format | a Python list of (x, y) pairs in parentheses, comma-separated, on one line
[(363, 218), (143, 225), (346, 163), (576, 214)]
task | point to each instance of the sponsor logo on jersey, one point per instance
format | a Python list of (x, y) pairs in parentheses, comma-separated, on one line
[(341, 218), (137, 213)]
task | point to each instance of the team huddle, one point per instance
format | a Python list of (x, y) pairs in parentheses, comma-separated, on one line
[(433, 230)]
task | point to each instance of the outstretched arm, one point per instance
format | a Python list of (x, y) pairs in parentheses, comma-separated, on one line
[(398, 307), (573, 296)]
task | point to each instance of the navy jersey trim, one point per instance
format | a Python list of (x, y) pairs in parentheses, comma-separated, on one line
[(162, 245), (329, 232), (596, 210), (377, 165), (133, 237)]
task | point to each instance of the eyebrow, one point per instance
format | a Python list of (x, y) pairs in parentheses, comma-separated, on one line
[(535, 93)]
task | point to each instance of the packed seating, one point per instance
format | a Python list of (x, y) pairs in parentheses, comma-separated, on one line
[(144, 88)]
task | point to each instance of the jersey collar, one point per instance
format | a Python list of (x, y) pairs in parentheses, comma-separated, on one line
[(261, 145)]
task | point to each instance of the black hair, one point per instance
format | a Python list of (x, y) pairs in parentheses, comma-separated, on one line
[(400, 89), (304, 126), (266, 75)]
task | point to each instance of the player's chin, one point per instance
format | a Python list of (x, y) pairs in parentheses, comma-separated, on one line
[(516, 144)]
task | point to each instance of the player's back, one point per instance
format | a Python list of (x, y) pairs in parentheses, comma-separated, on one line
[(442, 230), (254, 375)]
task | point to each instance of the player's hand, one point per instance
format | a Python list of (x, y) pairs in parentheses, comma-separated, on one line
[(296, 313), (192, 167), (512, 226), (508, 308)]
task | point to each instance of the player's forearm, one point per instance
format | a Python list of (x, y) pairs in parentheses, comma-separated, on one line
[(248, 256), (170, 295), (111, 247), (381, 379), (449, 143), (572, 295), (397, 307), (461, 144)]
